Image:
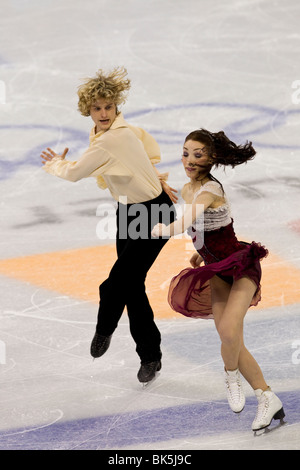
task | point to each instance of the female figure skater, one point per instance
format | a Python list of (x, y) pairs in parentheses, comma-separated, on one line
[(121, 157), (229, 282)]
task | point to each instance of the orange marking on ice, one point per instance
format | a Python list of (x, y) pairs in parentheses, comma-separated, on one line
[(79, 272)]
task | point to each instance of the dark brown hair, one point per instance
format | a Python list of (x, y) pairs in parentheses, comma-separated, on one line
[(221, 149)]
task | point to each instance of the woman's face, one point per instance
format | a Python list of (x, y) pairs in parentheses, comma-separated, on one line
[(195, 159)]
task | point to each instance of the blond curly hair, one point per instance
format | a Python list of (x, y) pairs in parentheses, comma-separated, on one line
[(111, 87)]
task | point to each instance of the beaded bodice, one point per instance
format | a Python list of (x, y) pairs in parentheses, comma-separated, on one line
[(212, 219)]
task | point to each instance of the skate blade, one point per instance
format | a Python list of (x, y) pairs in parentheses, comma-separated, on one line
[(147, 384), (267, 430), (278, 416)]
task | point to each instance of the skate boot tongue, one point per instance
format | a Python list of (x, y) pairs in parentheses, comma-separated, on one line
[(235, 394)]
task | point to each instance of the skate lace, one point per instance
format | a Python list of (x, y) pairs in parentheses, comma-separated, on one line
[(234, 388), (262, 409)]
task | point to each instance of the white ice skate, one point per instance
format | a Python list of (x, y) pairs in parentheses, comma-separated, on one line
[(269, 407), (235, 393)]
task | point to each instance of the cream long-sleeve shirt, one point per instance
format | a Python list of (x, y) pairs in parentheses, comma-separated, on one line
[(121, 159)]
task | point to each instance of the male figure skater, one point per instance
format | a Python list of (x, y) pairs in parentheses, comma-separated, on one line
[(122, 158)]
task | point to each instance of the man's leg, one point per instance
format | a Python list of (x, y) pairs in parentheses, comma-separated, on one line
[(126, 286), (142, 325)]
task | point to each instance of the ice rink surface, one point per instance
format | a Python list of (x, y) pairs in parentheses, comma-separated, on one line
[(219, 65)]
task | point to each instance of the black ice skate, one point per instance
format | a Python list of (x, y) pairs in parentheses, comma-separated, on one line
[(100, 345), (148, 371)]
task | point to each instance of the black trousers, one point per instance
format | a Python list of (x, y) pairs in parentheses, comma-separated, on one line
[(125, 285)]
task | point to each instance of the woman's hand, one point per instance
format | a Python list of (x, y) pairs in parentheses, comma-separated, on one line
[(48, 155), (196, 260), (170, 191), (158, 230)]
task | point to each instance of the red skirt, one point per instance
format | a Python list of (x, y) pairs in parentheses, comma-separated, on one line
[(224, 256)]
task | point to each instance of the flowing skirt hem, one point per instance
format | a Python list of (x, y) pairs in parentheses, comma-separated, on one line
[(189, 291)]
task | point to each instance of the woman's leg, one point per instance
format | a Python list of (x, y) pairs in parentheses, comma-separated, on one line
[(230, 305), (251, 370)]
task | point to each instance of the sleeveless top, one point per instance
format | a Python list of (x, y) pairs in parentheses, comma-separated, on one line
[(212, 219)]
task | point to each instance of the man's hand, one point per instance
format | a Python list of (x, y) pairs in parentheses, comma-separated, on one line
[(48, 155)]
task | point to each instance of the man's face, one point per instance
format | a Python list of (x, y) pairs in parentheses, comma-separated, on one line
[(103, 113)]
